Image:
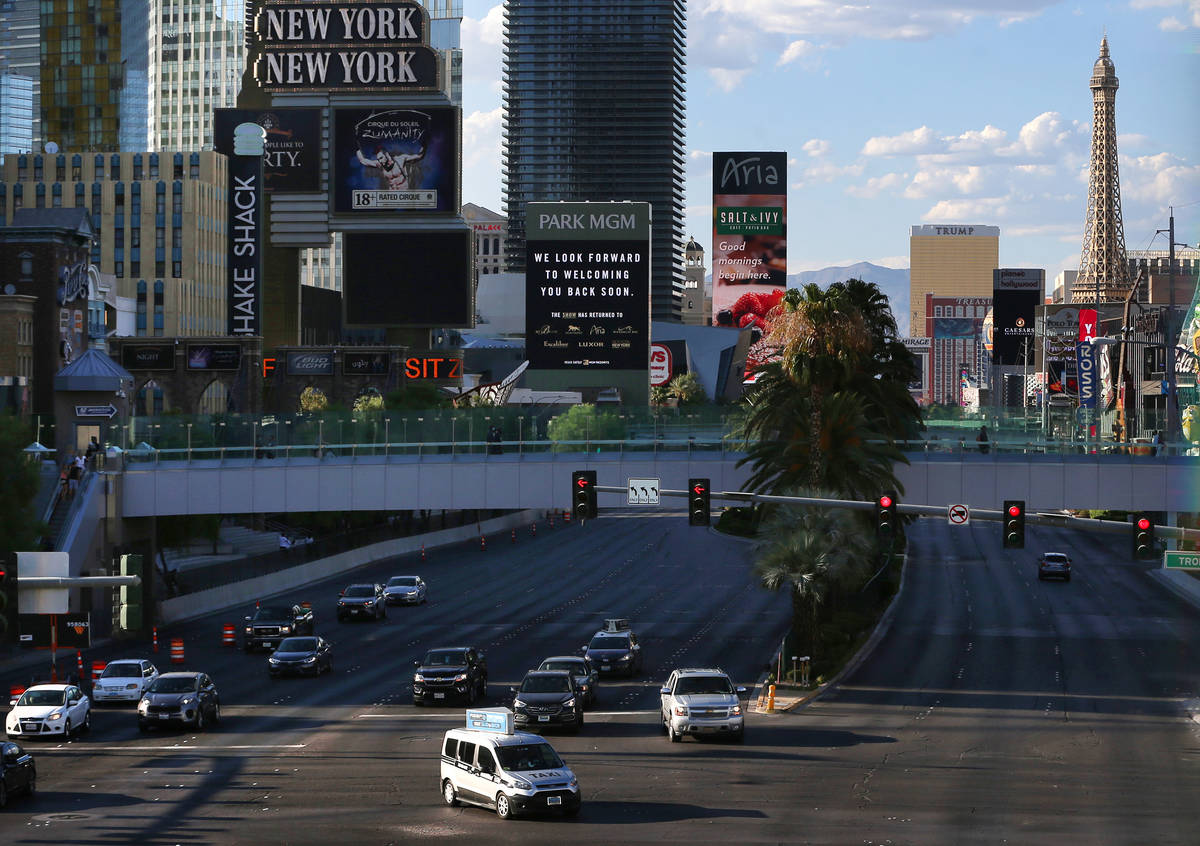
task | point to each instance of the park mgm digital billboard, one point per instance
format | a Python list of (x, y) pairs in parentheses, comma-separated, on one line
[(587, 297)]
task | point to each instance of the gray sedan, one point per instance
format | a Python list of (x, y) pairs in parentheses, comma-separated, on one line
[(586, 677)]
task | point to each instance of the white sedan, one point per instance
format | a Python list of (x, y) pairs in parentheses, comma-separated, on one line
[(49, 709), (124, 681)]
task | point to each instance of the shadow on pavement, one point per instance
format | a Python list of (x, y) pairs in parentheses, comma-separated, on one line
[(639, 813)]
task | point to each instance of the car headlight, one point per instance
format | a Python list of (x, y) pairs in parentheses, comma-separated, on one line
[(460, 677), (517, 703), (143, 706), (187, 700), (583, 687), (570, 703), (680, 710), (273, 660), (521, 784), (311, 659), (625, 657), (57, 715), (735, 711), (131, 687), (249, 630), (285, 629), (418, 677), (574, 782), (340, 603)]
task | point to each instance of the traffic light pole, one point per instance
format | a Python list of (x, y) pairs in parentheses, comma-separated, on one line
[(1082, 523)]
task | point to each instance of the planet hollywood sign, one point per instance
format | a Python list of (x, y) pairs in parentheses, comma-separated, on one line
[(348, 46)]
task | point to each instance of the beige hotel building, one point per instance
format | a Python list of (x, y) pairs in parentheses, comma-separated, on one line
[(949, 260), (161, 220)]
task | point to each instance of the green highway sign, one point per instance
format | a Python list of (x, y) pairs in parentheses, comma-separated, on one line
[(1181, 559)]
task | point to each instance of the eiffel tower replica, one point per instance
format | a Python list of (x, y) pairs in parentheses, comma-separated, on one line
[(1103, 269)]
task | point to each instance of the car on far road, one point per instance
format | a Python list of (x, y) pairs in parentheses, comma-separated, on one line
[(1054, 565), (17, 772), (586, 677), (124, 680), (702, 701), (300, 656), (180, 699), (404, 590), (272, 623), (615, 649), (46, 710), (453, 673), (361, 602), (547, 699)]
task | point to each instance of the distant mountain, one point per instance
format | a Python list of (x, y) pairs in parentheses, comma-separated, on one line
[(893, 283)]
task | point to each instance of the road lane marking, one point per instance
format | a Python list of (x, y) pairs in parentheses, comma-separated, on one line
[(458, 717), (963, 692), (131, 748)]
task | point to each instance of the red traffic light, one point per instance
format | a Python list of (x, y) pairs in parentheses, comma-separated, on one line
[(581, 482), (885, 502), (1143, 523), (1014, 511), (698, 489)]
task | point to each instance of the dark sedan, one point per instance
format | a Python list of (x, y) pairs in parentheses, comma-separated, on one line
[(300, 656), (548, 699), (17, 772), (361, 602), (180, 699)]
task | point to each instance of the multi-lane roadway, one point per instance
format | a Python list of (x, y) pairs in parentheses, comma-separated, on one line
[(997, 708)]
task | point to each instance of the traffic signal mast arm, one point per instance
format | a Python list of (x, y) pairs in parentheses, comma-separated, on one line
[(1031, 518)]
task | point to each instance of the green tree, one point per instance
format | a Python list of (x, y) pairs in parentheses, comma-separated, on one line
[(815, 553), (686, 388), (660, 394), (19, 480), (581, 423)]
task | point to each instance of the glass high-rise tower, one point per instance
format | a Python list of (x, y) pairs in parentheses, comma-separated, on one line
[(593, 111), (20, 75)]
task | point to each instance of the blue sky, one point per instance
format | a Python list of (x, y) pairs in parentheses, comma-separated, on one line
[(899, 113)]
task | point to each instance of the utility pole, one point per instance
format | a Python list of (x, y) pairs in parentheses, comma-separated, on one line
[(1169, 337)]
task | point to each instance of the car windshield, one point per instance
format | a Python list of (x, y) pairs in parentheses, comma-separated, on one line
[(609, 642), (528, 756), (1055, 557), (298, 644), (402, 581), (576, 667), (360, 590), (273, 612), (702, 684), (445, 658), (179, 684), (42, 697), (545, 684), (122, 671)]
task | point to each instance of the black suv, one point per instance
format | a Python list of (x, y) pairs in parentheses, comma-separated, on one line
[(360, 602), (272, 623), (548, 699), (615, 649), (445, 674)]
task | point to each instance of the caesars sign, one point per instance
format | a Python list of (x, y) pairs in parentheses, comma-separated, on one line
[(349, 46), (587, 286), (1016, 294), (749, 247)]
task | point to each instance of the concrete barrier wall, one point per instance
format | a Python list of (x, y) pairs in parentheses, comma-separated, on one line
[(192, 605)]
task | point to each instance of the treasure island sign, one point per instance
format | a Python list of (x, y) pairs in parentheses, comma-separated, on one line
[(347, 46)]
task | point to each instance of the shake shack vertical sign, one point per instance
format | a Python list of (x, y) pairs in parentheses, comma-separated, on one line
[(244, 265), (347, 46)]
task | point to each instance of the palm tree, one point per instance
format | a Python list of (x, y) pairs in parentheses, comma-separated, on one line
[(814, 553)]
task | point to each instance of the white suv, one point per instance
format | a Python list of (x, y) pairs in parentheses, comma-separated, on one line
[(702, 701)]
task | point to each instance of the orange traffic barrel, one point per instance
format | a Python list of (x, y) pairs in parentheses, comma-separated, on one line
[(97, 669), (15, 691), (176, 650), (228, 637)]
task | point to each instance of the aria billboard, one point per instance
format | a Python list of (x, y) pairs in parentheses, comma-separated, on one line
[(395, 160), (749, 249), (587, 286)]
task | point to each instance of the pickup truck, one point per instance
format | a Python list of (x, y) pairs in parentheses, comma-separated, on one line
[(452, 673), (272, 623)]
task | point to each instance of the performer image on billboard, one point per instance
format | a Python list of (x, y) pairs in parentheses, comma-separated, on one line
[(393, 169), (395, 160), (392, 143)]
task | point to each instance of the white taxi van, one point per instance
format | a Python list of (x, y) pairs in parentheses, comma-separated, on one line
[(489, 764)]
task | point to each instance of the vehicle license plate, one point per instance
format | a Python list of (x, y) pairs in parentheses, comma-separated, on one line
[(553, 800), (605, 667), (355, 610), (542, 718), (439, 696), (163, 716)]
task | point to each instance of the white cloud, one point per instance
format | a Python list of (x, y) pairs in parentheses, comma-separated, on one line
[(1161, 180), (816, 147), (921, 140), (728, 79), (799, 49), (1153, 4), (876, 185), (1172, 24), (700, 154), (929, 183), (481, 136), (482, 42), (984, 209), (826, 172)]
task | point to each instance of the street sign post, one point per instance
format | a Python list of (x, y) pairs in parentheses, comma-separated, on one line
[(1181, 559), (643, 491), (95, 411), (958, 515)]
